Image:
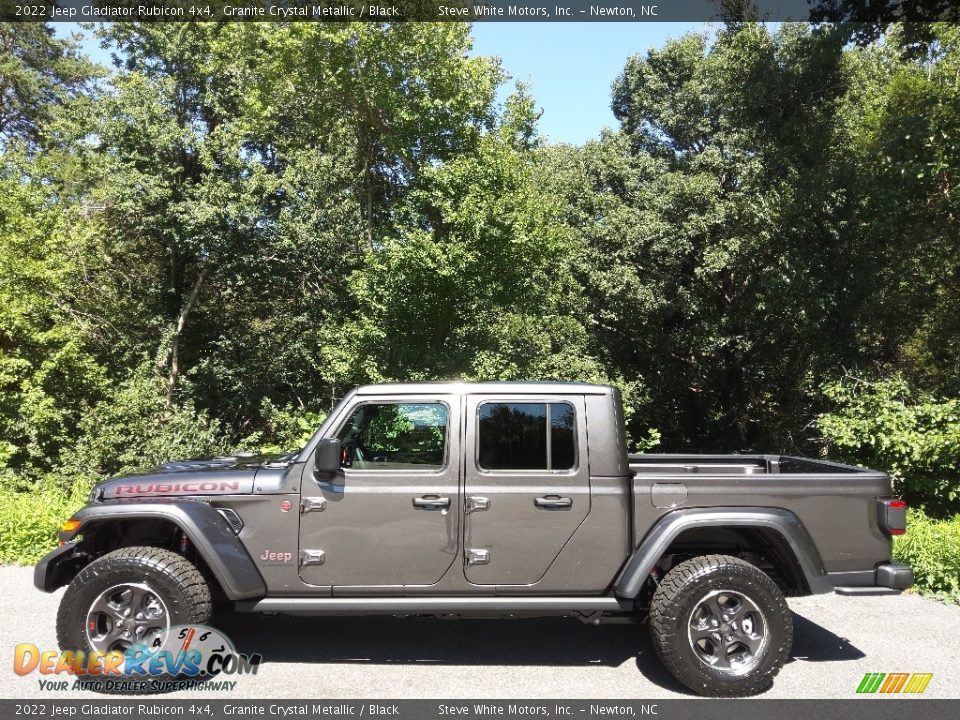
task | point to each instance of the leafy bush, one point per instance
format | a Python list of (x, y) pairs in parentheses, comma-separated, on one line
[(932, 548), (285, 428), (29, 522), (648, 442), (7, 451), (890, 426)]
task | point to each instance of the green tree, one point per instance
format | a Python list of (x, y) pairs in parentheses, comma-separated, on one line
[(393, 98), (40, 74), (473, 282), (48, 374), (179, 192), (906, 146), (712, 233)]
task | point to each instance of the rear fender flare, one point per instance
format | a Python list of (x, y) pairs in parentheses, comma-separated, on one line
[(670, 526)]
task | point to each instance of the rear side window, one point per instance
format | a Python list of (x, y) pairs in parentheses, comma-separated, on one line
[(526, 436)]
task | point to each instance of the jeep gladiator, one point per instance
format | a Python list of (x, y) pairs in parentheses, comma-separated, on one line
[(502, 499)]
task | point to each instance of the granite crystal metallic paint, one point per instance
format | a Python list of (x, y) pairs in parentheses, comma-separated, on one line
[(603, 528)]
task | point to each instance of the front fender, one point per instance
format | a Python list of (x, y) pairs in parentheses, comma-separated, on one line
[(210, 534), (671, 525)]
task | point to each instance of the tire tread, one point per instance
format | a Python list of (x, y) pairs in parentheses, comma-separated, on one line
[(188, 579), (669, 637)]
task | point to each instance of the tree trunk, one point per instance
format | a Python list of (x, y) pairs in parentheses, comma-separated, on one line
[(174, 354), (368, 186)]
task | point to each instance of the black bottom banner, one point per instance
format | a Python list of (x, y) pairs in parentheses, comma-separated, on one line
[(148, 709)]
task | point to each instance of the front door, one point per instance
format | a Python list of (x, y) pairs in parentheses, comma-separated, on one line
[(527, 485), (391, 517)]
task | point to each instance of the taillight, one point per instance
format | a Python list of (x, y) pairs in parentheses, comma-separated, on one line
[(893, 516)]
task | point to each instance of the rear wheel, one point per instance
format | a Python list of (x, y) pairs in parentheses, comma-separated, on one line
[(721, 626)]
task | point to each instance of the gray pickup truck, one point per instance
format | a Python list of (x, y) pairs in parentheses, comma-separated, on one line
[(502, 499)]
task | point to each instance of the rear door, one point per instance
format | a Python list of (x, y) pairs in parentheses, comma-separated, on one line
[(527, 485)]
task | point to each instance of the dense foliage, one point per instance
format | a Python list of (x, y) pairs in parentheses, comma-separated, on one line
[(932, 549), (887, 425), (204, 245)]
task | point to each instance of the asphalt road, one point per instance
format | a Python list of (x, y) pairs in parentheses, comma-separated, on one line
[(838, 639)]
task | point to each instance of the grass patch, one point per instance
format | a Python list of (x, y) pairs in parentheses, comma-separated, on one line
[(932, 548)]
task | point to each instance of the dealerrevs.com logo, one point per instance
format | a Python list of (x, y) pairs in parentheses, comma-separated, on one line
[(184, 657), (894, 683)]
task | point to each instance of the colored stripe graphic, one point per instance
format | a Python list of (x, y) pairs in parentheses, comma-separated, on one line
[(918, 683), (893, 683), (870, 682)]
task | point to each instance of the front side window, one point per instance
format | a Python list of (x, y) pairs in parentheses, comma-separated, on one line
[(526, 436), (396, 436)]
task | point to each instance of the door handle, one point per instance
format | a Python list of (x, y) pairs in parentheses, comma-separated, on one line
[(553, 502), (431, 502)]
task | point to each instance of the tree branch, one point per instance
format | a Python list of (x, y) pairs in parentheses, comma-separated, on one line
[(174, 354)]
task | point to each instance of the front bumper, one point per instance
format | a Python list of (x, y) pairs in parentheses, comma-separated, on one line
[(885, 578), (57, 568)]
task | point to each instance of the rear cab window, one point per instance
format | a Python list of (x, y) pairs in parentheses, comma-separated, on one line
[(526, 436)]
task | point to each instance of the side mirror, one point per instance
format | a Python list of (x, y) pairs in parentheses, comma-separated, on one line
[(326, 458)]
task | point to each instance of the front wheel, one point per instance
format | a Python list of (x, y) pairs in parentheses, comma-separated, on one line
[(130, 596), (721, 626)]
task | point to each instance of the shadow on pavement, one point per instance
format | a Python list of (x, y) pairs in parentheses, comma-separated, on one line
[(814, 643), (380, 640), (426, 641)]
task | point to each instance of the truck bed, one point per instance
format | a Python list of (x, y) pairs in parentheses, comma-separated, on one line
[(827, 497)]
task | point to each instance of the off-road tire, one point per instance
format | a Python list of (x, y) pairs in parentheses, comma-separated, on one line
[(180, 585), (681, 593)]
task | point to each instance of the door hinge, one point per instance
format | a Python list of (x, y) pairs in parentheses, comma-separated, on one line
[(312, 557), (475, 503), (312, 504), (476, 556)]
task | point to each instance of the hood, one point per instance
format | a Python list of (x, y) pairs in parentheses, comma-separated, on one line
[(231, 475)]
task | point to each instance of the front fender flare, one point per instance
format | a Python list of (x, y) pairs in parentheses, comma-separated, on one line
[(210, 534), (671, 525)]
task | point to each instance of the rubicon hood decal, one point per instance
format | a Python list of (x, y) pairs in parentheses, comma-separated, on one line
[(207, 487), (220, 476)]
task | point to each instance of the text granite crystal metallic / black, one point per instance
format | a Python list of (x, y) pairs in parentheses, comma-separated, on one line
[(493, 499)]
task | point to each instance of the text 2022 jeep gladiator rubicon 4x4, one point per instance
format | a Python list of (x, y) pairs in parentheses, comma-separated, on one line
[(502, 499)]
